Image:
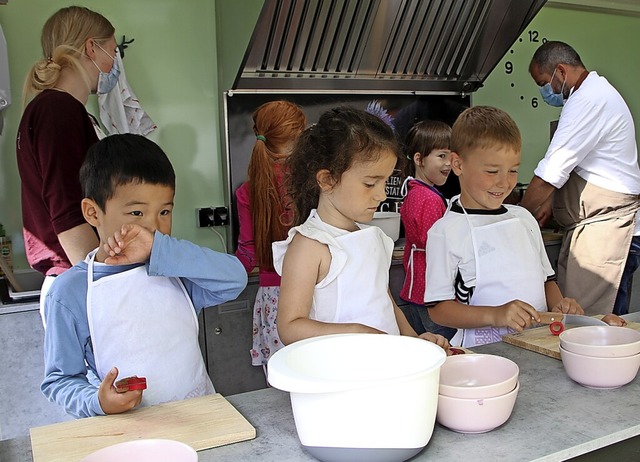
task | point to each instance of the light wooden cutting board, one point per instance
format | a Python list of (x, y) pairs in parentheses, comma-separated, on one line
[(541, 340), (202, 423)]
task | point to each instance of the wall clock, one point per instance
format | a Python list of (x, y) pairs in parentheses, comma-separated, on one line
[(515, 66)]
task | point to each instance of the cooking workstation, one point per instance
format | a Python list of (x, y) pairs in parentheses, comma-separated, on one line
[(570, 420), (419, 60)]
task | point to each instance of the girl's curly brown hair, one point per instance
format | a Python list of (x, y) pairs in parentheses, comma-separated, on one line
[(341, 136)]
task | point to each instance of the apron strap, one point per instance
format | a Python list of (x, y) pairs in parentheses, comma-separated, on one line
[(414, 248), (616, 213)]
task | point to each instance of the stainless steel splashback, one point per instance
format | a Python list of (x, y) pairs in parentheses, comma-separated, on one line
[(418, 46)]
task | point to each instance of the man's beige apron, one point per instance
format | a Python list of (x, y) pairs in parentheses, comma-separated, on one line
[(599, 226)]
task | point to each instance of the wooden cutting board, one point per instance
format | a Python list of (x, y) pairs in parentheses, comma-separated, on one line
[(202, 423), (540, 339)]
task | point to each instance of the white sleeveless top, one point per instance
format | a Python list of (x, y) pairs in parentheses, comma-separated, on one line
[(355, 289)]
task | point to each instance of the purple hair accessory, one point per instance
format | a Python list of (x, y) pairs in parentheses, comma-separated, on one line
[(375, 108)]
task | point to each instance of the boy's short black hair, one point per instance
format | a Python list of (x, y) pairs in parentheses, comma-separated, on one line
[(123, 159)]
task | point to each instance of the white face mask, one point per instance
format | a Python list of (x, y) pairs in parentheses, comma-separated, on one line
[(107, 80)]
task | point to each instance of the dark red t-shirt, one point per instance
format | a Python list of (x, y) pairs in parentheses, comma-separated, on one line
[(53, 138)]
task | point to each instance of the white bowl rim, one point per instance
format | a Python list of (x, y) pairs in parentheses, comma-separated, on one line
[(565, 337), (111, 447), (603, 358), (471, 389), (277, 368), (493, 398)]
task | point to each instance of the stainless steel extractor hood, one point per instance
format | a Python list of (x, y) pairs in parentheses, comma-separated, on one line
[(387, 46)]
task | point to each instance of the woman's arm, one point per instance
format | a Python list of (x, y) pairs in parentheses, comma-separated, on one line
[(78, 242)]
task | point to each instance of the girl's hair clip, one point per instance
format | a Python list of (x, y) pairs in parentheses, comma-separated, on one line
[(375, 108)]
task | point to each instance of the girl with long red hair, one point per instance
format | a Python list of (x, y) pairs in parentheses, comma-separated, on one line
[(264, 216)]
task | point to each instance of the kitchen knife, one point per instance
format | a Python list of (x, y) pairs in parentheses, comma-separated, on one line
[(570, 319)]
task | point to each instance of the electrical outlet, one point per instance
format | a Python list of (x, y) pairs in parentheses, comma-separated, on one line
[(212, 216), (220, 216), (204, 217)]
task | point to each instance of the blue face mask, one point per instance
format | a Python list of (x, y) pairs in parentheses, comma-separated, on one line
[(551, 98), (107, 80)]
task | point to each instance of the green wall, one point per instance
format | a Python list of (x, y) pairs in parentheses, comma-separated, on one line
[(172, 68), (187, 53), (607, 43)]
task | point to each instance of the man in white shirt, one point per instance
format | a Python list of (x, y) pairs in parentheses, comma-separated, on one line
[(589, 180)]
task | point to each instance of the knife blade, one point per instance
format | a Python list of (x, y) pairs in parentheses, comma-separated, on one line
[(570, 319)]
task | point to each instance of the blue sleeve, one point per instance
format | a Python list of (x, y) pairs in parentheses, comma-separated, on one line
[(210, 277), (65, 370)]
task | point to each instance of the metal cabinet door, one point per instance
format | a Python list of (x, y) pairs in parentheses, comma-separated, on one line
[(228, 340)]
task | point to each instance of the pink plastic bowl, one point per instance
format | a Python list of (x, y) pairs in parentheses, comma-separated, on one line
[(477, 376), (151, 450), (594, 372), (601, 341), (466, 415)]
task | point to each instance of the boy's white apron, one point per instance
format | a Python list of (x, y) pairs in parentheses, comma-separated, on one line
[(504, 272), (146, 326)]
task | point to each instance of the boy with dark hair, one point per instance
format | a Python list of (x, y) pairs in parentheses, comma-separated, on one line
[(130, 307)]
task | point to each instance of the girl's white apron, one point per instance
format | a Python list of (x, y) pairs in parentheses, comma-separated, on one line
[(363, 289)]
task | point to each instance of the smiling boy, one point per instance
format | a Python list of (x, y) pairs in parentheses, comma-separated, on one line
[(488, 273), (130, 307)]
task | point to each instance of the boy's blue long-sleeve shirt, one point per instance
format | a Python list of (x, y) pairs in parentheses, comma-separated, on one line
[(210, 278)]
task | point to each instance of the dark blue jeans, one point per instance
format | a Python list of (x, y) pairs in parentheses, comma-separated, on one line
[(621, 305), (418, 317)]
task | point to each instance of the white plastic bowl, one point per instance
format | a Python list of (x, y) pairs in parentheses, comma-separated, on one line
[(361, 396), (477, 376), (595, 372), (151, 450), (389, 222), (601, 341), (466, 415)]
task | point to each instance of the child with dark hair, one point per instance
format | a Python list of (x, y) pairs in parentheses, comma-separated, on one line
[(427, 149), (335, 271), (130, 307)]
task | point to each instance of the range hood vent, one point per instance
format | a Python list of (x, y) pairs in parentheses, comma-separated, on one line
[(430, 46)]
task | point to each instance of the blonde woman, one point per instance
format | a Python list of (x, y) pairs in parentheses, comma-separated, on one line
[(79, 51)]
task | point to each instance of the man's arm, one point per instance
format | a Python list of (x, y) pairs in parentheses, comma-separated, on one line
[(538, 199)]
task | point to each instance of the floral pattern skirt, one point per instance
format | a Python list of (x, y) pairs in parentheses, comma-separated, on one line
[(265, 333)]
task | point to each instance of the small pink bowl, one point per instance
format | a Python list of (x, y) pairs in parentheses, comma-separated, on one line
[(601, 341), (477, 376), (594, 372), (465, 415)]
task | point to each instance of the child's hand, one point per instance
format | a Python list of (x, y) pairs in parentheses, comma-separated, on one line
[(515, 314), (132, 244), (568, 306), (437, 339), (113, 402), (614, 320)]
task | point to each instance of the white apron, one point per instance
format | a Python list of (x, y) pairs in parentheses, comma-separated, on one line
[(146, 326), (363, 283), (504, 272)]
